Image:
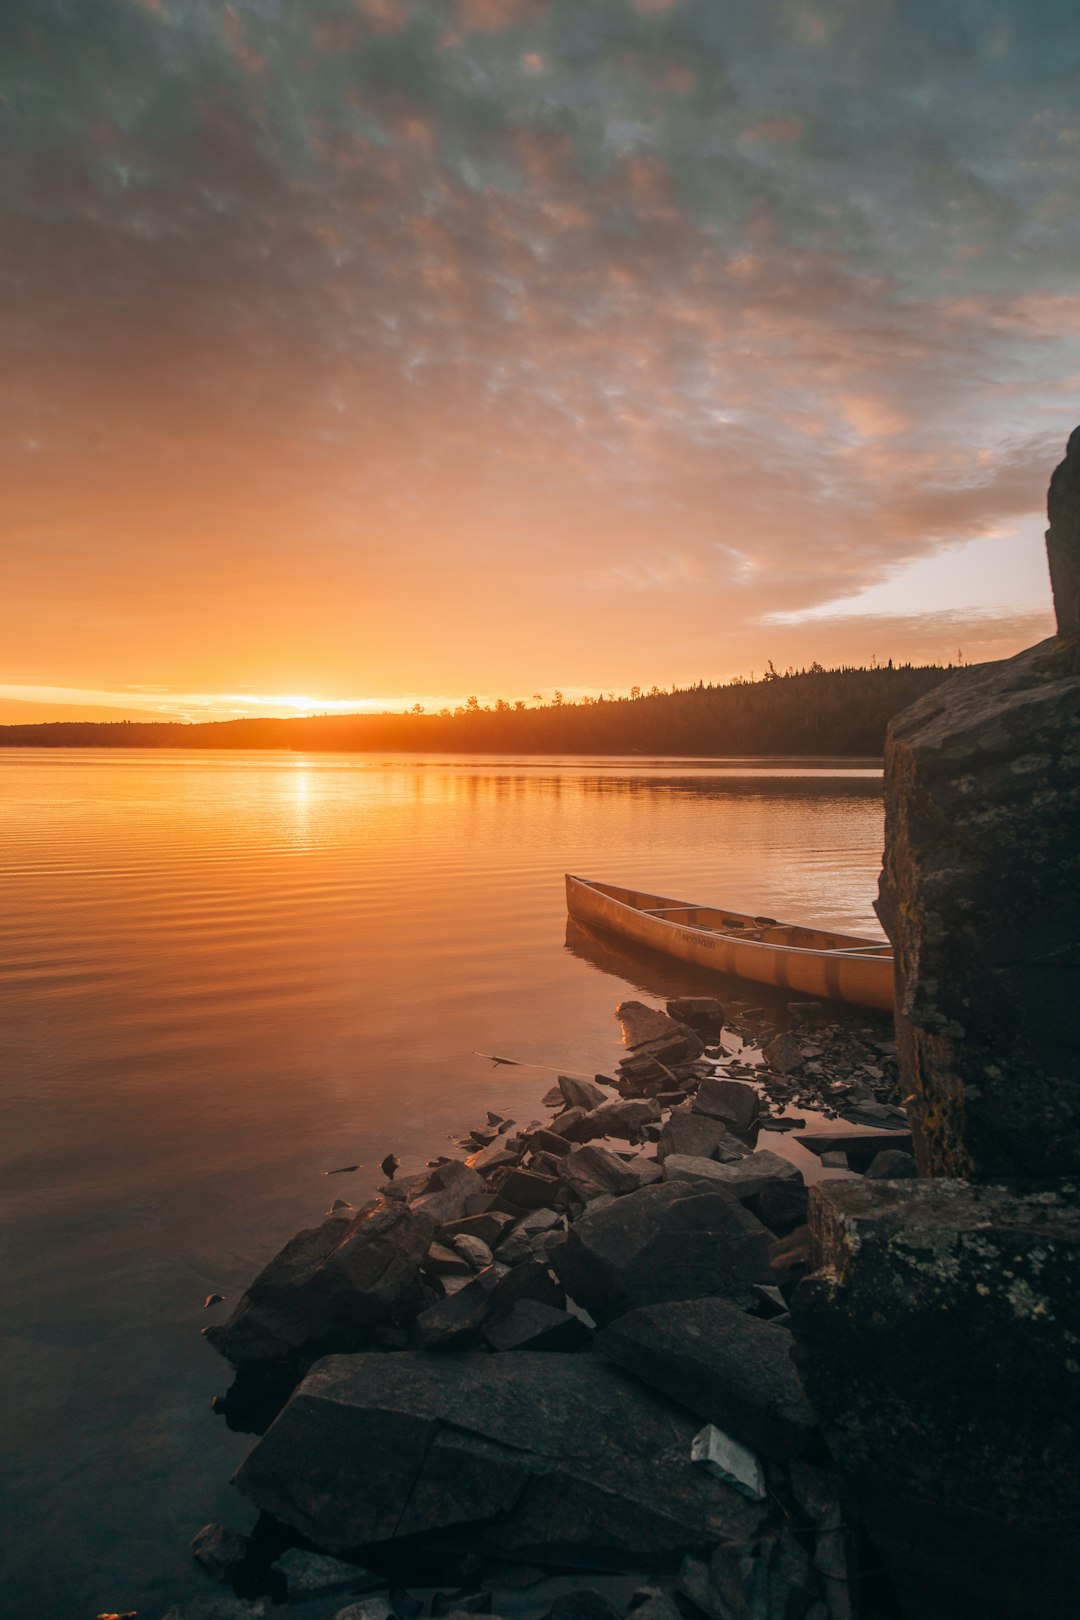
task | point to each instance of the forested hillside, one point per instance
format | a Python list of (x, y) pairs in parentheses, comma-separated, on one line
[(814, 711)]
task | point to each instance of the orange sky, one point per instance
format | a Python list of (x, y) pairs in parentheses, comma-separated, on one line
[(364, 356)]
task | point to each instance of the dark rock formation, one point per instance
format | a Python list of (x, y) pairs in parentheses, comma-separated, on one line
[(980, 895), (547, 1457), (1063, 538), (674, 1241), (730, 1368), (329, 1287), (938, 1342)]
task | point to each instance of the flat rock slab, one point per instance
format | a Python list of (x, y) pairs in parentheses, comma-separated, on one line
[(546, 1457), (744, 1178), (732, 1369), (669, 1241)]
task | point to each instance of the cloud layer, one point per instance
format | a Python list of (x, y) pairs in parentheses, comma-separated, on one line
[(386, 347)]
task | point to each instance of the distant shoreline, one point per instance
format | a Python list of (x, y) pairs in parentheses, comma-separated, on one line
[(806, 714)]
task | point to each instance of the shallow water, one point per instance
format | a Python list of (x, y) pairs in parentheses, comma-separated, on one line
[(223, 974)]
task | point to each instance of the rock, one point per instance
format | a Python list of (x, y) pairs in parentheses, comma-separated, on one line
[(496, 1156), (673, 1241), (736, 1465), (220, 1551), (474, 1251), (734, 1101), (520, 1243), (808, 1012), (890, 1166), (546, 1141), (219, 1299), (781, 1205), (622, 1117), (585, 1604), (569, 1123), (328, 1287), (443, 1262), (770, 1577), (490, 1228), (314, 1574), (861, 1147), (443, 1192), (545, 1457), (645, 1168), (1063, 538), (372, 1608), (656, 1605), (697, 1136), (745, 1178), (733, 1369), (590, 1172), (651, 1033), (833, 1159), (217, 1608), (783, 1053), (790, 1257), (980, 892), (528, 1189), (579, 1093), (936, 1341), (456, 1322), (703, 1014), (531, 1325)]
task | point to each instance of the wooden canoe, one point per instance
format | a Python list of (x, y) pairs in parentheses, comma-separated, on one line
[(811, 961)]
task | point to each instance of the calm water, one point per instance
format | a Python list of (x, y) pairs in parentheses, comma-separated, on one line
[(223, 974)]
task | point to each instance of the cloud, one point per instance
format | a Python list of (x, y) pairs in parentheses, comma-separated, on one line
[(341, 337)]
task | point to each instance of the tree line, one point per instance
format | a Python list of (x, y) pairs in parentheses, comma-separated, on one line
[(806, 711)]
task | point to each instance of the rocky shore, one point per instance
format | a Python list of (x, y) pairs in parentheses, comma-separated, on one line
[(553, 1375)]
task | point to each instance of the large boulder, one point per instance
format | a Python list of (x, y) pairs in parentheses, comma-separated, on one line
[(546, 1457), (329, 1288), (937, 1341), (732, 1369), (980, 894), (671, 1241)]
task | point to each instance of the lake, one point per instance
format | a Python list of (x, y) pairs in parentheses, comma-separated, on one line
[(222, 974)]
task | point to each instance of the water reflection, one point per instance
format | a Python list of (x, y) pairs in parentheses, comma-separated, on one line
[(222, 974)]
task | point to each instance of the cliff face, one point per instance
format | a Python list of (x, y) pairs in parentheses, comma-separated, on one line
[(938, 1334), (980, 894)]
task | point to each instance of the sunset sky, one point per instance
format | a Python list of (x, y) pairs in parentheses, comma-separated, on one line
[(364, 352)]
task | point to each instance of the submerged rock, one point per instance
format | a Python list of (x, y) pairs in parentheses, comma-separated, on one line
[(670, 1241), (730, 1368), (549, 1458)]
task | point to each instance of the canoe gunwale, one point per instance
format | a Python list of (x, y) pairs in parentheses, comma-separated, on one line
[(852, 953)]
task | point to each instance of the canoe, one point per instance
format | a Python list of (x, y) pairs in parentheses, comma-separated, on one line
[(812, 961)]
